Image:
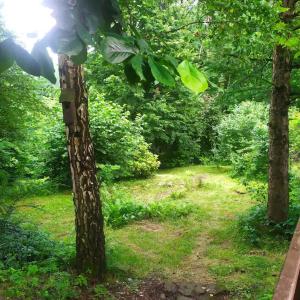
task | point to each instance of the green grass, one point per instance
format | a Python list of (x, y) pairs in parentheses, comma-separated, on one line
[(204, 246)]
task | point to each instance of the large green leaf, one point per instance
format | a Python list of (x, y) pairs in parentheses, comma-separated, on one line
[(192, 78), (137, 64), (131, 75), (25, 60), (6, 57), (161, 73), (116, 49), (40, 53)]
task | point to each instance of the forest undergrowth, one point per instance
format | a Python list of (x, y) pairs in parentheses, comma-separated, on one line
[(183, 224)]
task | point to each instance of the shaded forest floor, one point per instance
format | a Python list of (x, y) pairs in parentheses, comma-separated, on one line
[(205, 248)]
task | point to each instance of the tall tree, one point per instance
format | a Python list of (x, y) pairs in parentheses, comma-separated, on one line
[(90, 250), (274, 22), (76, 24), (278, 195)]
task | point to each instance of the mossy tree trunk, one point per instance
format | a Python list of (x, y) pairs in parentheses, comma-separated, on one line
[(90, 241)]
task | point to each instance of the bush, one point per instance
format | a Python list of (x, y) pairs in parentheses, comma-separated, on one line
[(56, 161), (242, 141), (120, 149), (19, 246), (176, 123), (256, 225), (255, 222), (11, 163), (119, 141), (28, 187), (32, 266), (295, 135), (120, 209)]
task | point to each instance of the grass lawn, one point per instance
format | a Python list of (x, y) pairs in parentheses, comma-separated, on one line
[(204, 247)]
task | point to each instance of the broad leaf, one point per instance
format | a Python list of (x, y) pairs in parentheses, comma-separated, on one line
[(25, 60), (192, 78), (161, 73), (143, 45), (6, 58), (173, 61), (84, 34), (81, 57), (116, 50), (64, 42), (137, 64), (40, 53), (131, 75), (70, 47)]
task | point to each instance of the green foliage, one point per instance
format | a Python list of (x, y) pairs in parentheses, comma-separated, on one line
[(121, 209), (295, 135), (242, 140), (116, 50), (19, 246), (120, 149), (22, 107), (39, 281), (28, 187), (175, 123), (32, 266), (118, 141), (11, 163), (255, 223), (55, 156), (161, 73), (192, 78), (257, 227)]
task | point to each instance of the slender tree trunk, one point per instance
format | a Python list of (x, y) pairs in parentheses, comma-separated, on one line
[(279, 137), (90, 242)]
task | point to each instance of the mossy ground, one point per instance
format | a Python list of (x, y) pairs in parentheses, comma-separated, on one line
[(205, 246)]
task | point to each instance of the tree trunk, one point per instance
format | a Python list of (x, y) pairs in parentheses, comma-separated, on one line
[(278, 195), (90, 242), (278, 198)]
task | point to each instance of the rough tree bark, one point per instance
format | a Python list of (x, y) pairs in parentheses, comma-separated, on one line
[(278, 195), (90, 242), (278, 201)]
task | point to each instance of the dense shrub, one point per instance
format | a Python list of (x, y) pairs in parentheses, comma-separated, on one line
[(56, 161), (119, 141), (120, 149), (32, 266), (19, 246), (21, 107), (11, 163), (255, 223), (242, 140), (176, 123), (295, 135)]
